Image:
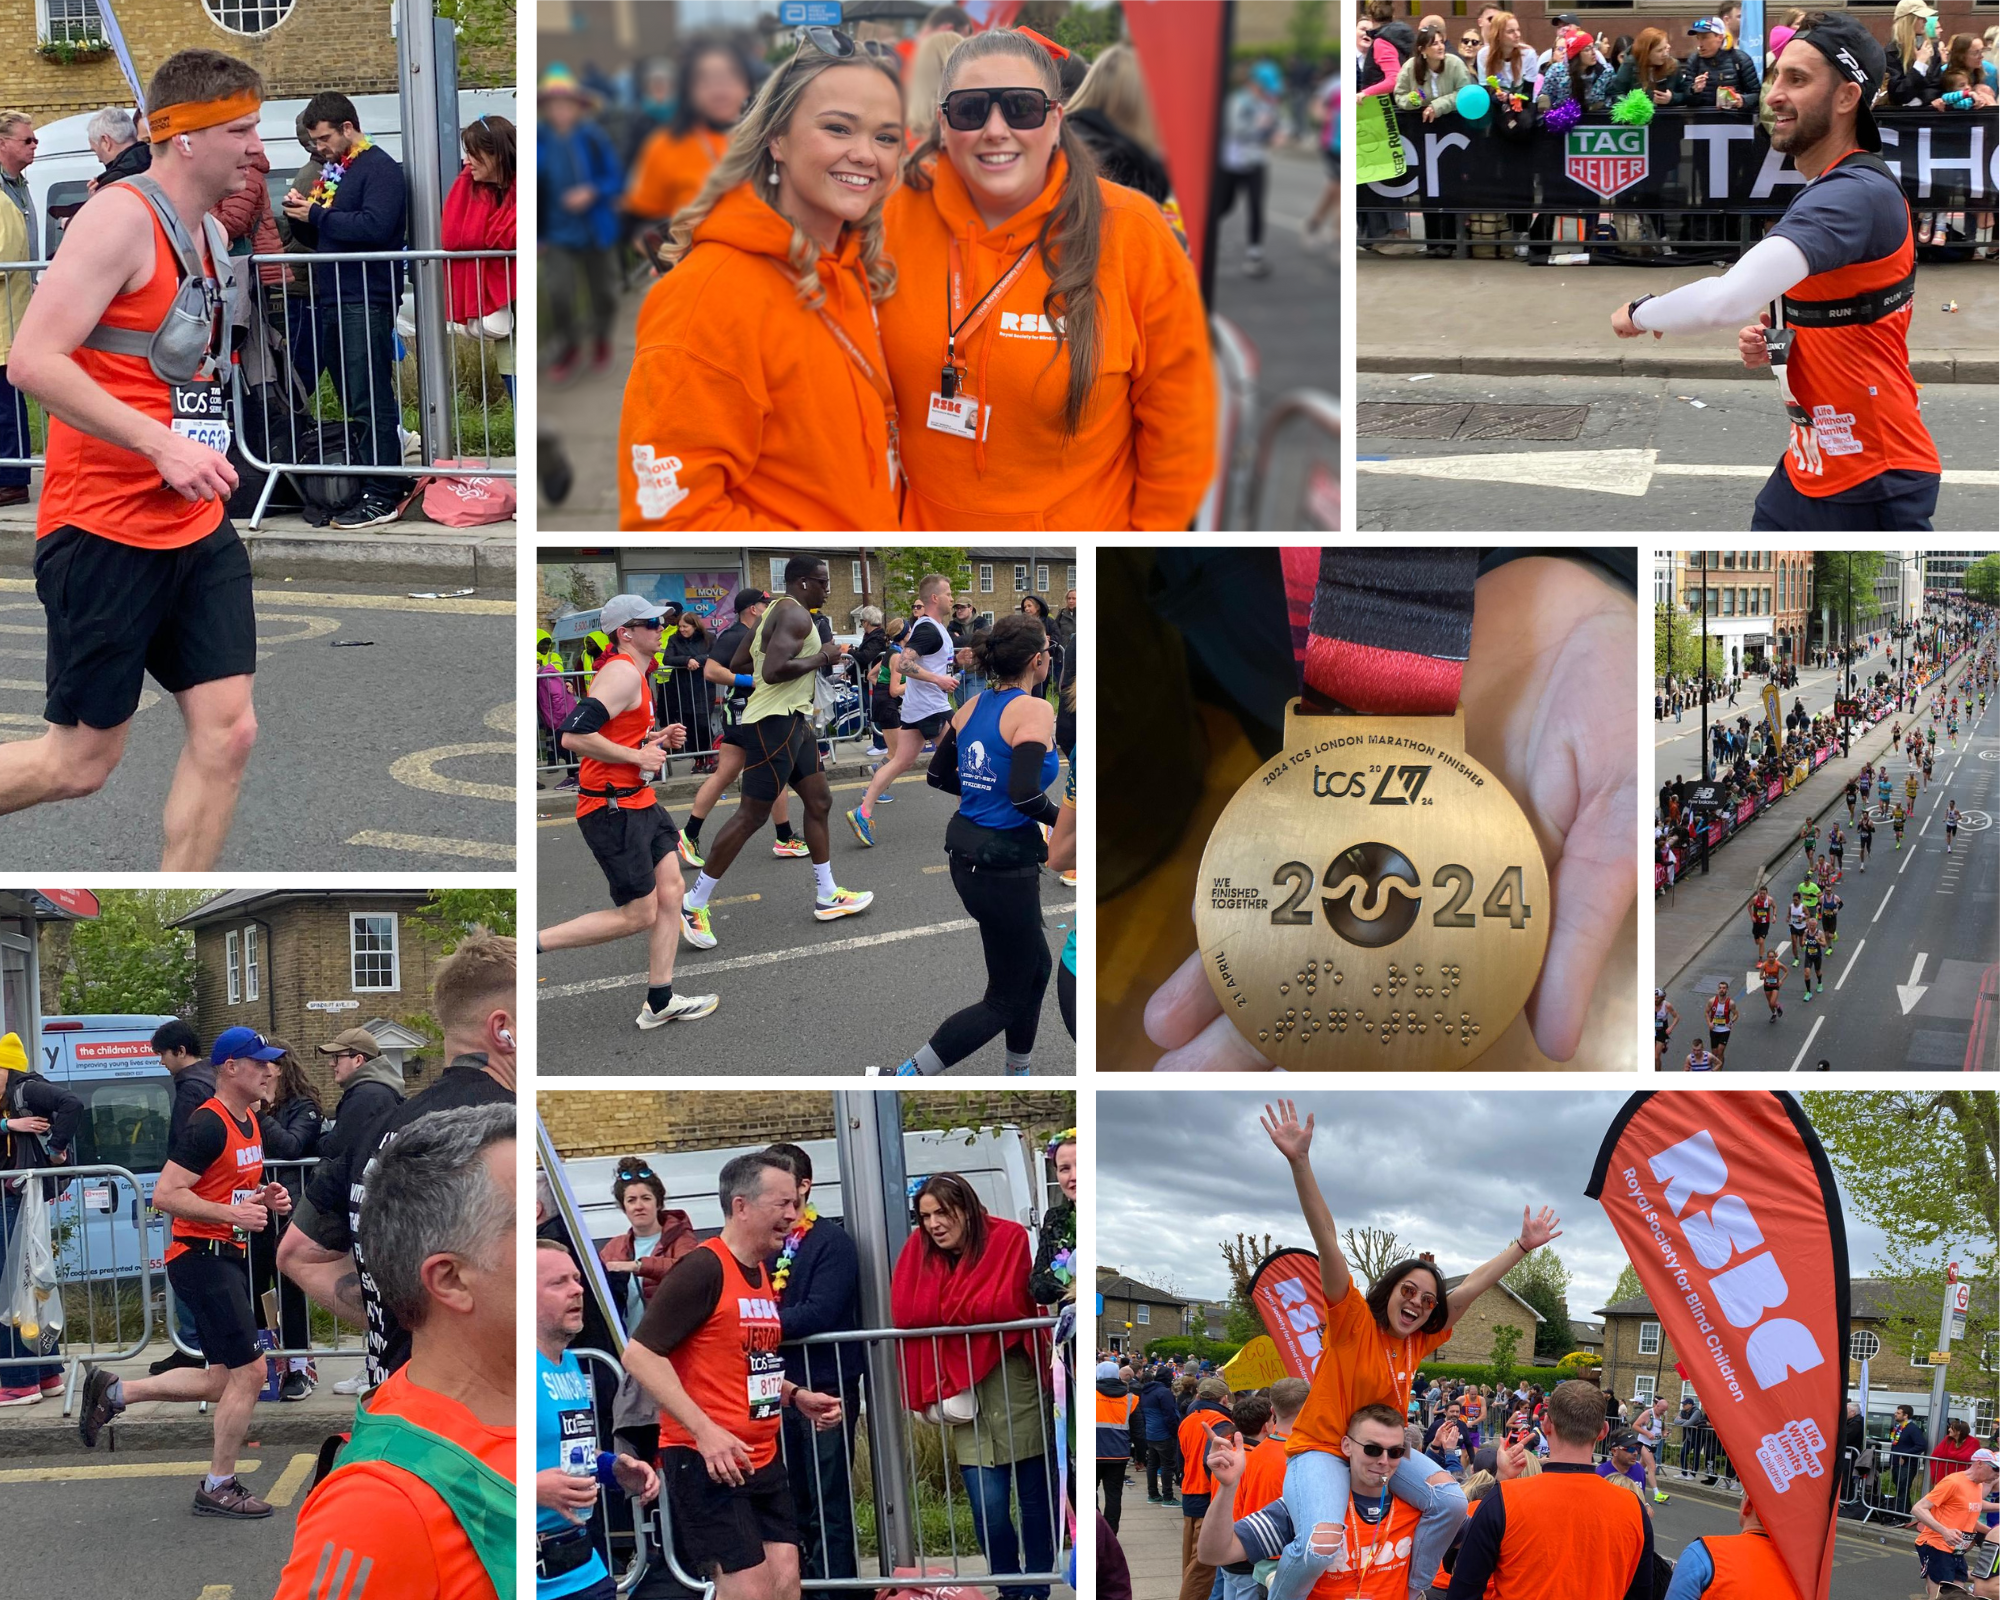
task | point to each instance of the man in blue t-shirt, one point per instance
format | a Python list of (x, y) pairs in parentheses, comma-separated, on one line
[(568, 1563), (1625, 1462)]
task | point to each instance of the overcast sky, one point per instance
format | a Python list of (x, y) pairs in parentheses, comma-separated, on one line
[(1448, 1170)]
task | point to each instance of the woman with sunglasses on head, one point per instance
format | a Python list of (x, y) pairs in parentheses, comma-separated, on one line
[(759, 396), (1373, 1344), (1047, 340)]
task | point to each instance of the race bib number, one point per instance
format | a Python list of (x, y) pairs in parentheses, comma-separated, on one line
[(959, 415), (245, 1197), (201, 414), (767, 1384), (578, 1442)]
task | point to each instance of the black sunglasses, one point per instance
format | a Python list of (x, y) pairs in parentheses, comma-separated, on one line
[(1395, 1452), (832, 42), (967, 109)]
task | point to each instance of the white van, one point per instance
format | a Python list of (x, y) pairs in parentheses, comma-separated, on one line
[(1004, 1169), (64, 163)]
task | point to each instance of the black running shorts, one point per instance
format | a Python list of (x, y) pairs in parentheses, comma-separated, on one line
[(116, 613), (776, 751), (930, 727), (629, 845), (720, 1525), (1718, 1041), (216, 1291)]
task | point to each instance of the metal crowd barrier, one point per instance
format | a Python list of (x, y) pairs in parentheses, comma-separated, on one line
[(14, 398), (99, 1279), (1878, 1483), (643, 1549)]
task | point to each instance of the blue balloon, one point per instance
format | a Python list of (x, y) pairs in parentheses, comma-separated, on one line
[(1473, 102)]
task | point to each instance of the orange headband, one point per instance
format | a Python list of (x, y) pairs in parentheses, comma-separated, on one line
[(167, 121)]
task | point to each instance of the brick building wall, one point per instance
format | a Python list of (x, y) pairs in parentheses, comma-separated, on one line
[(322, 44), (305, 955), (1472, 1337), (613, 1121)]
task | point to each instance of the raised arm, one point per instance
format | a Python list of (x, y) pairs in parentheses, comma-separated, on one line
[(1294, 1142), (1536, 1231)]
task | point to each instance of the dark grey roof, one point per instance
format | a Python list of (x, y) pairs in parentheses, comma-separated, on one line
[(1868, 1299), (1116, 1286), (233, 902)]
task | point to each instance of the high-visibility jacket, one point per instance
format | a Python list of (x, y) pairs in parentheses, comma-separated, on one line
[(1115, 1405)]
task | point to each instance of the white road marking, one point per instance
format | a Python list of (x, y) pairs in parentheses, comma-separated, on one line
[(1809, 1039), (1913, 991), (1849, 965), (1625, 472), (1882, 907)]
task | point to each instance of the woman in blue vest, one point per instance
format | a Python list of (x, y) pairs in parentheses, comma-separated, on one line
[(997, 754)]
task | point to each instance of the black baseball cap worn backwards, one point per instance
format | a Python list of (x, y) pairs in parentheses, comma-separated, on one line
[(1855, 55)]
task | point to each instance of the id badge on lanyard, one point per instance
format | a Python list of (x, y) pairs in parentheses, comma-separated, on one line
[(952, 410), (878, 380)]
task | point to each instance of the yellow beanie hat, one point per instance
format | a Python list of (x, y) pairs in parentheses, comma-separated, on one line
[(12, 1056)]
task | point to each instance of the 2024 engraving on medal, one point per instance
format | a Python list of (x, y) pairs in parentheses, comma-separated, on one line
[(1411, 892)]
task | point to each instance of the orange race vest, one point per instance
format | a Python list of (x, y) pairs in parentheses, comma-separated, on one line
[(1568, 1534), (1193, 1437), (1263, 1477), (1747, 1568), (1846, 382), (730, 1365), (239, 1169), (104, 488), (597, 779)]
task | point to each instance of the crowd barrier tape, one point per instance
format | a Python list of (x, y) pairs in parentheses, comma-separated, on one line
[(100, 1281)]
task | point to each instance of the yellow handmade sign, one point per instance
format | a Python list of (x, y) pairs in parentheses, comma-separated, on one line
[(1255, 1366)]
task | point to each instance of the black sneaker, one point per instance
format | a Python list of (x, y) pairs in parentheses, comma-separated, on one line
[(231, 1500), (175, 1358), (371, 511), (296, 1386), (96, 1409)]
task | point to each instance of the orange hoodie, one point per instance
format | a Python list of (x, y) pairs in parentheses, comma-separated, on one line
[(670, 171), (743, 410), (1145, 453)]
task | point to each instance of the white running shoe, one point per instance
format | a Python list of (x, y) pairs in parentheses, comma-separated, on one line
[(682, 1008)]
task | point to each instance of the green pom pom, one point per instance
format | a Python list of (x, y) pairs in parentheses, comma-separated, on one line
[(1635, 109)]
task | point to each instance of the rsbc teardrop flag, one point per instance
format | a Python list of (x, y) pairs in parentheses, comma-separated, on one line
[(1286, 1291), (1727, 1207)]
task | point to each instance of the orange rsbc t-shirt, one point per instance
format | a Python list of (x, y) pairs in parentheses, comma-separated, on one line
[(378, 1519), (1955, 1502), (1263, 1477), (1359, 1365)]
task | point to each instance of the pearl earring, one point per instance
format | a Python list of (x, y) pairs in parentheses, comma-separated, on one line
[(773, 177)]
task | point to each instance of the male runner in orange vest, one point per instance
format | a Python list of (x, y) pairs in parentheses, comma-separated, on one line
[(136, 562), (707, 1351), (213, 1187), (1842, 264)]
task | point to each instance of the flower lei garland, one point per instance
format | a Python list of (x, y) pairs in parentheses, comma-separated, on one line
[(1063, 1263), (331, 174), (1064, 1266), (782, 1272)]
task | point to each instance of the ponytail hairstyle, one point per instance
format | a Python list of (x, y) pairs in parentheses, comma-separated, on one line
[(1072, 234), (1009, 647), (748, 160)]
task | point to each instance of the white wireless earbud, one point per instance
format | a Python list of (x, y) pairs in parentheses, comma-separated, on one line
[(186, 144), (506, 1038)]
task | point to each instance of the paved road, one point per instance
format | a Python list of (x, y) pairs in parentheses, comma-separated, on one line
[(88, 1523), (1919, 940), (1863, 1569), (393, 756), (799, 997), (1632, 432)]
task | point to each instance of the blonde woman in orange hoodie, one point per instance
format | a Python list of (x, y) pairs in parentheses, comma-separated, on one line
[(759, 397), (1047, 340)]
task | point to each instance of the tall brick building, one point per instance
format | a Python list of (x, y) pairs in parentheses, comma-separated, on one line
[(1500, 1307), (300, 46), (302, 964)]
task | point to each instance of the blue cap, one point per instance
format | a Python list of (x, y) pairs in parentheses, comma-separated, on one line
[(241, 1044)]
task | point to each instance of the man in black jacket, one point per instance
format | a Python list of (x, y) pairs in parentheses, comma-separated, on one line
[(820, 1292), (114, 140), (358, 204)]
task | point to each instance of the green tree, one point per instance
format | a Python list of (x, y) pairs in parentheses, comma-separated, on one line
[(1505, 1340), (1305, 30), (456, 912), (1543, 1281), (1241, 1322), (127, 958), (479, 24), (1677, 645), (1627, 1287), (906, 566), (1982, 579), (1088, 29), (1843, 575), (1576, 1363)]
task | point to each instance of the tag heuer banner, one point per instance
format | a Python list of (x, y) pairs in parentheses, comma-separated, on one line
[(1719, 161), (1727, 1208), (1286, 1291)]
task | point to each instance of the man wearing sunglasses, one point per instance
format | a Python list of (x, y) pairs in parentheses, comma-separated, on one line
[(1372, 1561)]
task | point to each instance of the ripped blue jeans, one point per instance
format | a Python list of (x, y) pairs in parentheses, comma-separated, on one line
[(1316, 1491)]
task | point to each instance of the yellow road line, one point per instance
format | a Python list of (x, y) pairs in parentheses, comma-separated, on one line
[(133, 1469), (342, 602), (416, 771), (474, 848), (217, 1591), (297, 1470), (942, 866)]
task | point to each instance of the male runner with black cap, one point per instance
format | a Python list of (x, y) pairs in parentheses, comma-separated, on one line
[(620, 817), (1842, 264)]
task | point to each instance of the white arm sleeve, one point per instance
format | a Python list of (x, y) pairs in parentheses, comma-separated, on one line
[(1733, 300)]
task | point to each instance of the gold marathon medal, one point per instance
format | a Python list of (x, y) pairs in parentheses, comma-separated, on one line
[(1372, 898)]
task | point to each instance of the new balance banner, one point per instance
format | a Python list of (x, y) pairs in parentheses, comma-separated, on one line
[(1179, 45), (1285, 1290), (1727, 1207), (1714, 160)]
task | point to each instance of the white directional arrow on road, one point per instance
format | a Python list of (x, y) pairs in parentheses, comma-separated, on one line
[(1626, 472), (1913, 991)]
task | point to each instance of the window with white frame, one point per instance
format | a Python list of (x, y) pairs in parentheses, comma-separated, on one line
[(232, 958), (247, 16), (855, 583), (1644, 1386), (371, 938), (1862, 1345), (69, 22), (1020, 577), (777, 584), (1072, 576), (1041, 578), (252, 974), (1142, 1315), (1649, 1338), (985, 577), (1920, 1356), (1687, 1390)]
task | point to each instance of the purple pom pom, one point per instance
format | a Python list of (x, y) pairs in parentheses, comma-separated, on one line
[(1563, 117)]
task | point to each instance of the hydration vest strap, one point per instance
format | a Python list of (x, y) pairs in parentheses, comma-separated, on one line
[(136, 342), (481, 1499), (1855, 310)]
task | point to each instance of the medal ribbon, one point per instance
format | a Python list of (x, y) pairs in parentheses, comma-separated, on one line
[(1379, 632)]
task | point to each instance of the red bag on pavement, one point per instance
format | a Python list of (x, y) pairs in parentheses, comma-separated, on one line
[(468, 501)]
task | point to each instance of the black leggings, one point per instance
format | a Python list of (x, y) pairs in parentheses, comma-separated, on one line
[(1066, 998), (1007, 905), (1249, 183)]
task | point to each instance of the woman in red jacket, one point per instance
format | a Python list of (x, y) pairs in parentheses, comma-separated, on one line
[(479, 215), (639, 1258)]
